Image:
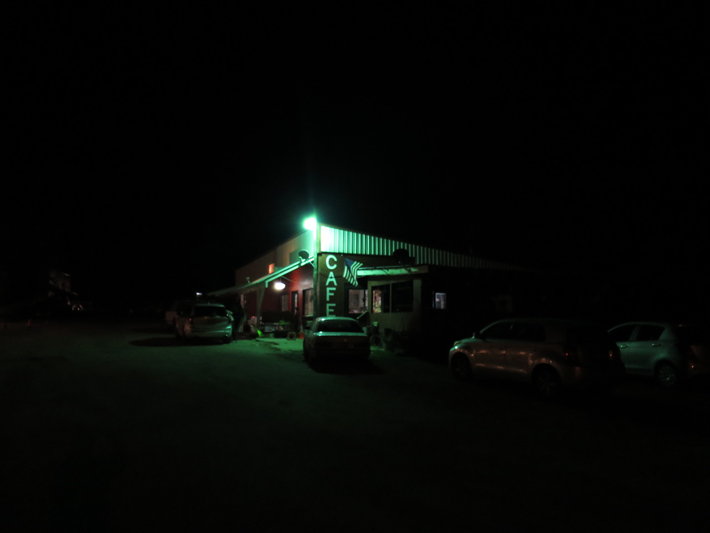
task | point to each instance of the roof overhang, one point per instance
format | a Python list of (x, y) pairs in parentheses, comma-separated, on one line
[(398, 270), (264, 280)]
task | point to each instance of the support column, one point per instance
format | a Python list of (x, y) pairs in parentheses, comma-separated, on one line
[(259, 301)]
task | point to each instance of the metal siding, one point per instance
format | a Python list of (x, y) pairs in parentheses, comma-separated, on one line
[(349, 242), (342, 241)]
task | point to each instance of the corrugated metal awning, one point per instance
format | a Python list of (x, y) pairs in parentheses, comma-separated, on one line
[(262, 281), (399, 270), (343, 241)]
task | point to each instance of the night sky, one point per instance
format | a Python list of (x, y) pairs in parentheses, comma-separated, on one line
[(153, 150)]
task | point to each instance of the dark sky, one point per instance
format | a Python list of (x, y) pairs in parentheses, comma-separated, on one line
[(155, 149)]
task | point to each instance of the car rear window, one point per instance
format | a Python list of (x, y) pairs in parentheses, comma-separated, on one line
[(649, 332), (210, 310), (340, 326), (622, 333)]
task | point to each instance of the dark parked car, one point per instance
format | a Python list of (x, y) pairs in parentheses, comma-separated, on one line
[(335, 337), (551, 354), (665, 351)]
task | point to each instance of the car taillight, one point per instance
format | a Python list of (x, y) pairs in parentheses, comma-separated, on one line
[(614, 354), (571, 356)]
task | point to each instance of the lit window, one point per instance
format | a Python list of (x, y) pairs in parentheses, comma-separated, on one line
[(381, 299), (357, 301), (271, 268), (439, 300)]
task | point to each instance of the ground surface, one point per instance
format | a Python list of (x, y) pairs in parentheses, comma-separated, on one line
[(117, 427)]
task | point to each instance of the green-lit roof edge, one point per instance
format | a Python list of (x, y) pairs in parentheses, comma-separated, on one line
[(340, 240), (334, 239)]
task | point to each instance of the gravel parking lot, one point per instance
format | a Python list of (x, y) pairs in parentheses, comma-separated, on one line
[(111, 427)]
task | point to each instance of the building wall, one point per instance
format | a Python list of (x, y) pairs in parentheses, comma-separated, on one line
[(397, 330), (254, 270), (300, 279), (478, 291), (332, 285), (333, 248), (281, 256), (297, 282)]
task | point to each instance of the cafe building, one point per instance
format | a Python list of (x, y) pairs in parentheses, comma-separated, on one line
[(403, 293)]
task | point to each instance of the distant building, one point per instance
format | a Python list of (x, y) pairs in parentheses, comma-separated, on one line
[(407, 294), (27, 290)]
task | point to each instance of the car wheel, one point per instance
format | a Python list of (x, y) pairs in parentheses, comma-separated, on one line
[(666, 375), (547, 382), (309, 357), (461, 368)]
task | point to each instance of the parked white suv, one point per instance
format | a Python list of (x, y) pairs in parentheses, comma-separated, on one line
[(201, 320), (550, 354)]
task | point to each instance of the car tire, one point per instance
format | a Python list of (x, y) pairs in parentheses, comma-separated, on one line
[(461, 368), (547, 382), (312, 359), (666, 375)]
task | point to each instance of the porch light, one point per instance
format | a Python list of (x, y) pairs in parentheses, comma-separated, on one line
[(279, 285)]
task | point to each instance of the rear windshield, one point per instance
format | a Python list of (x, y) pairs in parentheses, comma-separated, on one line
[(210, 310), (340, 326), (693, 334)]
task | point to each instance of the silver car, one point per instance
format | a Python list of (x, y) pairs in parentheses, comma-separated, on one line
[(550, 354), (173, 311), (203, 320), (335, 337), (665, 351)]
